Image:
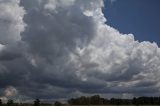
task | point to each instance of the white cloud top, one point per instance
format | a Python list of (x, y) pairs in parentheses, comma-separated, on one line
[(11, 21)]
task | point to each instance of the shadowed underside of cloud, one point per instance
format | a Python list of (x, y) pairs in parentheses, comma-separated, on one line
[(53, 49)]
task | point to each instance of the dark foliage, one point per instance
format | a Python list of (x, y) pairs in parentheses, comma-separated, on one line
[(97, 100), (36, 102), (0, 102), (57, 103), (10, 102)]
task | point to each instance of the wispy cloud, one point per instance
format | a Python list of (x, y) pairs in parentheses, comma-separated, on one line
[(112, 1)]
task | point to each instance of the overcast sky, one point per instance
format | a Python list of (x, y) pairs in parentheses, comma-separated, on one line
[(58, 49)]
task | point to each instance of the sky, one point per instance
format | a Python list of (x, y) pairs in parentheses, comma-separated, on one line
[(59, 49), (140, 17)]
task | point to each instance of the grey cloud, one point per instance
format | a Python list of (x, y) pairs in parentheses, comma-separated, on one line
[(66, 49), (11, 21), (11, 52)]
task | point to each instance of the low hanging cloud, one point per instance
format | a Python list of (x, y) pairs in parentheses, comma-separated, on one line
[(59, 49)]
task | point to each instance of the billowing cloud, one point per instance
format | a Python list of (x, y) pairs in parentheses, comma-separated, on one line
[(10, 91), (11, 21), (67, 49)]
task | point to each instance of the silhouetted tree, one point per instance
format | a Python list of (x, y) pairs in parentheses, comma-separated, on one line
[(95, 100), (57, 103), (134, 101), (10, 102), (152, 101), (70, 101), (0, 102), (113, 101), (118, 102), (36, 102)]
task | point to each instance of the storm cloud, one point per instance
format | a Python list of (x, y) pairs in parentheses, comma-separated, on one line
[(56, 49)]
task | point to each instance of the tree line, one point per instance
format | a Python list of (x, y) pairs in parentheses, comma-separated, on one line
[(92, 100), (36, 102), (97, 100), (10, 102)]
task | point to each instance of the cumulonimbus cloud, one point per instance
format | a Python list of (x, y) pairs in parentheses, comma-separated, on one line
[(67, 49)]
